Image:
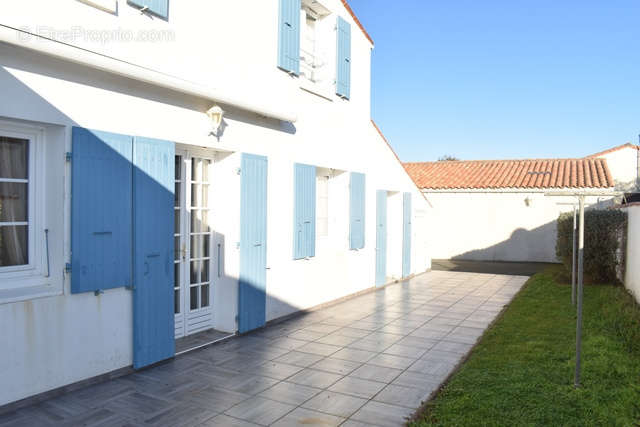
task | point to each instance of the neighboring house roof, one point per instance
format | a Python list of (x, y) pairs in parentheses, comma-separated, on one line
[(355, 18), (611, 150), (528, 173)]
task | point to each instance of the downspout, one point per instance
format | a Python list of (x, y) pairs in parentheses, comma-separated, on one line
[(108, 64)]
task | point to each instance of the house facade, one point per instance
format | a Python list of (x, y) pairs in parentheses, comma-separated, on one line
[(169, 168), (497, 210)]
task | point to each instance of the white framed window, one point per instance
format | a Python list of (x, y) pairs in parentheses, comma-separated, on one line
[(23, 240), (317, 48), (322, 202)]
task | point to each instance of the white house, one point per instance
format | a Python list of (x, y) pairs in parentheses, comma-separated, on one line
[(496, 210), (168, 168)]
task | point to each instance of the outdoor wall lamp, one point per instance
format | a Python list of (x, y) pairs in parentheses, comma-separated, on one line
[(527, 201), (215, 113)]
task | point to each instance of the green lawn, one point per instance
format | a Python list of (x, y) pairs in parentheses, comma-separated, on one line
[(521, 372)]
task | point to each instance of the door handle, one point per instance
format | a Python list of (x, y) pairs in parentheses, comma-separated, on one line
[(258, 244)]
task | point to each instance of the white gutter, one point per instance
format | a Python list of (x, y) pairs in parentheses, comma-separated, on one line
[(101, 62)]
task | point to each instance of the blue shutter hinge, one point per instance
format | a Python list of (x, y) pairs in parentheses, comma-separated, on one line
[(67, 267), (68, 156), (129, 287), (238, 171), (237, 245), (97, 292)]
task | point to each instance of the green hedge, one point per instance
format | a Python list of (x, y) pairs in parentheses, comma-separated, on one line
[(605, 234)]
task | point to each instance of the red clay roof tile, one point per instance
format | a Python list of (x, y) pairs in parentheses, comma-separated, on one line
[(528, 173)]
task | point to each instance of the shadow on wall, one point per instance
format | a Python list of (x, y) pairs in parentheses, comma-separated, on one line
[(536, 245)]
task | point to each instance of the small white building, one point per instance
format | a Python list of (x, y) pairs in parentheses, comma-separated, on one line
[(496, 210), (624, 164), (168, 168)]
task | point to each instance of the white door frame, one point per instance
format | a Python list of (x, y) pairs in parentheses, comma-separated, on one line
[(196, 314)]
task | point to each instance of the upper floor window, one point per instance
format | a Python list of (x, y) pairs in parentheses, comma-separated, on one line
[(315, 44), (316, 32), (14, 203)]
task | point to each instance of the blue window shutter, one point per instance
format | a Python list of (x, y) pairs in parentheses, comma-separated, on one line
[(381, 237), (157, 7), (406, 234), (153, 199), (252, 281), (356, 211), (101, 222), (289, 36), (304, 215), (343, 59)]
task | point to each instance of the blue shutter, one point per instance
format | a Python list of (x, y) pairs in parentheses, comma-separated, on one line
[(343, 59), (304, 212), (381, 237), (289, 36), (406, 234), (253, 243), (157, 7), (100, 210), (356, 211), (153, 188)]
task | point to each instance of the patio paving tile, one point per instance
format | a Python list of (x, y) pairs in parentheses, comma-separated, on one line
[(307, 417), (376, 373), (337, 404), (336, 366), (357, 387), (260, 410), (391, 361), (382, 414), (409, 397), (298, 358), (314, 378), (227, 421), (354, 355), (370, 360)]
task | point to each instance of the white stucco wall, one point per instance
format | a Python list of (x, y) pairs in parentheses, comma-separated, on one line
[(623, 164), (632, 274), (57, 340), (496, 226)]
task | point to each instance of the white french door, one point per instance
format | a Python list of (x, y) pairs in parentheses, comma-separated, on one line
[(193, 243)]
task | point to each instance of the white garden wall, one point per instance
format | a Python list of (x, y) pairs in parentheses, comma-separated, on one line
[(632, 274), (501, 225)]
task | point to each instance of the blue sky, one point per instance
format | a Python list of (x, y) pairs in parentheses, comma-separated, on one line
[(495, 79)]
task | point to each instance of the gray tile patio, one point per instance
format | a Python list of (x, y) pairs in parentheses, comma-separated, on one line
[(370, 360)]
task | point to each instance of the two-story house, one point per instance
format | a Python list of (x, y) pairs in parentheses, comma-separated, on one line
[(171, 168)]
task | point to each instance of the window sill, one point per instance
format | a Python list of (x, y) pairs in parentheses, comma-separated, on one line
[(110, 6), (316, 89), (8, 296)]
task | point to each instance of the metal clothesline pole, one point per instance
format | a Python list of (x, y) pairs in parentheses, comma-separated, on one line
[(581, 197), (573, 261), (576, 381)]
